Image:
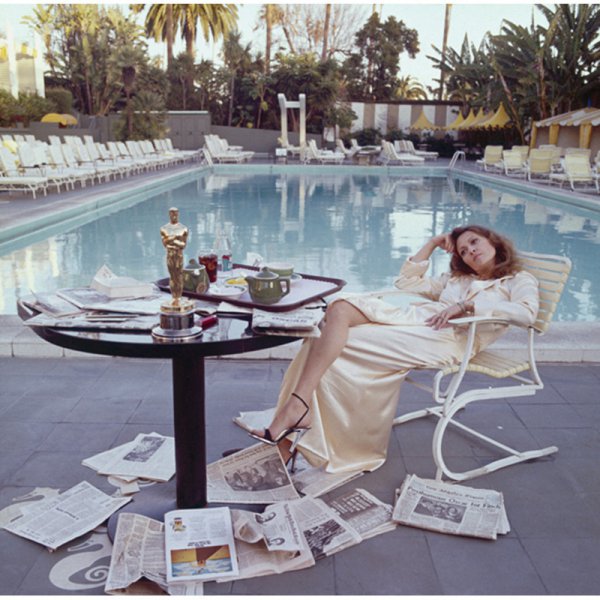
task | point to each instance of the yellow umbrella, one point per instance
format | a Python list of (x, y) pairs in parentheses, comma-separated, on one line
[(60, 119), (467, 121), (479, 118)]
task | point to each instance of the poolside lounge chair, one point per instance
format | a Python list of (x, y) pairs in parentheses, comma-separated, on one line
[(217, 154), (578, 171), (11, 180), (524, 150), (539, 165), (33, 160), (348, 153), (492, 159), (389, 155), (578, 152), (293, 150), (193, 154), (322, 156), (408, 147), (512, 162), (490, 366)]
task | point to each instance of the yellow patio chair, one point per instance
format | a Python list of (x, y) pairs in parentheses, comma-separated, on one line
[(539, 165), (524, 150), (492, 159), (490, 366), (513, 164), (578, 171)]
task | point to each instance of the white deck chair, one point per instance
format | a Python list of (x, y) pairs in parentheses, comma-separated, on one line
[(34, 161), (578, 172), (322, 156), (492, 159), (339, 144), (389, 155), (552, 272), (408, 147), (217, 154), (512, 162), (11, 180)]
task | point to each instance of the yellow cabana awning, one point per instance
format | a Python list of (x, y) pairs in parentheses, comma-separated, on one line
[(499, 119), (459, 119), (480, 118), (566, 118), (467, 121), (423, 122)]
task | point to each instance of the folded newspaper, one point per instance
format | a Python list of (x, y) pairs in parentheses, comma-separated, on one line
[(148, 456), (59, 519), (106, 282), (302, 322), (451, 508)]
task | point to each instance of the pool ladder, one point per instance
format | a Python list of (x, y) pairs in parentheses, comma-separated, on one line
[(459, 154)]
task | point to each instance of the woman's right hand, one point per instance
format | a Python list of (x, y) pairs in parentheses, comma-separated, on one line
[(444, 241)]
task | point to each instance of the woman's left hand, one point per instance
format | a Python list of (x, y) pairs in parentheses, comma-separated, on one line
[(440, 320)]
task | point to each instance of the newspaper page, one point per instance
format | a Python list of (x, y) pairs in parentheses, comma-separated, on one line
[(100, 461), (255, 419), (51, 305), (325, 532), (152, 456), (199, 544), (96, 321), (114, 286), (255, 475), (366, 513), (255, 558), (301, 323), (137, 565), (59, 519), (450, 508), (276, 526), (316, 481)]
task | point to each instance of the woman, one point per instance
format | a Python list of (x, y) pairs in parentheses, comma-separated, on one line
[(342, 388)]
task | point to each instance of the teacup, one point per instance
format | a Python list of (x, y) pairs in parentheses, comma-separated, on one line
[(282, 269)]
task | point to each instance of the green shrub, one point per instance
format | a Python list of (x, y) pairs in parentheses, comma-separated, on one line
[(9, 108), (365, 137)]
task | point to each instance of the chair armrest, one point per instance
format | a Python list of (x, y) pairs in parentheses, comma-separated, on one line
[(477, 320)]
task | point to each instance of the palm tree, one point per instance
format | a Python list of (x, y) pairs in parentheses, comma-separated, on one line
[(410, 89), (159, 24), (444, 48), (326, 32), (236, 58)]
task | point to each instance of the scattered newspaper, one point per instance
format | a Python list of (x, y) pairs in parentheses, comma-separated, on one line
[(255, 558), (325, 532), (255, 419), (24, 503), (51, 305), (199, 544), (302, 322), (90, 299), (255, 475), (451, 508), (86, 320), (114, 286), (316, 481), (276, 527), (138, 560), (150, 456), (367, 514), (59, 519)]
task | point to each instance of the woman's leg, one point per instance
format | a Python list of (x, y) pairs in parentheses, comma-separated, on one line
[(340, 316)]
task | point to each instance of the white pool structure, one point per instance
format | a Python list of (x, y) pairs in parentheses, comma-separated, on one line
[(356, 224)]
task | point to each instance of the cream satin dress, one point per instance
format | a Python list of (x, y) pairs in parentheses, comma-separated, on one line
[(355, 402)]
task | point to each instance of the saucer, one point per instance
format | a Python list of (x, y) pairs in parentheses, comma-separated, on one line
[(227, 291), (295, 277)]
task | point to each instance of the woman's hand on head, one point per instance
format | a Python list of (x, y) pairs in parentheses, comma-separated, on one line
[(440, 320), (444, 241)]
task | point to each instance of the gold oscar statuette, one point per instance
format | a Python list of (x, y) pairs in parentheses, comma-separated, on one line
[(176, 314)]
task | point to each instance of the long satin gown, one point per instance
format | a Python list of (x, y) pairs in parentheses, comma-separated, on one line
[(355, 402)]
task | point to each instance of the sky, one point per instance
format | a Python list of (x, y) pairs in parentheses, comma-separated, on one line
[(472, 18)]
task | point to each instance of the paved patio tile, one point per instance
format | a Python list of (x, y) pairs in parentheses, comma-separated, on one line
[(469, 566), (17, 557), (567, 566)]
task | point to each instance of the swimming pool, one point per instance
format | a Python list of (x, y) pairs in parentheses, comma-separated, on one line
[(358, 226)]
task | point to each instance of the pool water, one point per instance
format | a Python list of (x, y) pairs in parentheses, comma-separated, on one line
[(357, 227)]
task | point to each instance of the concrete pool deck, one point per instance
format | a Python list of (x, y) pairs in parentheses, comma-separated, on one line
[(56, 412)]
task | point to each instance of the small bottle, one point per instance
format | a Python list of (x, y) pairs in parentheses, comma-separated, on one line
[(223, 249)]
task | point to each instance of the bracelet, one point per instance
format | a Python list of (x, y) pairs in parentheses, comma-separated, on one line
[(462, 307)]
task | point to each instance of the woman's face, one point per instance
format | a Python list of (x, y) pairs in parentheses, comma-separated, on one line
[(477, 252)]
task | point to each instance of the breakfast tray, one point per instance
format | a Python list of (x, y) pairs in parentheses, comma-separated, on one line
[(308, 289)]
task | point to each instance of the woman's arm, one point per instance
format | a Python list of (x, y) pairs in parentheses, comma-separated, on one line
[(443, 241)]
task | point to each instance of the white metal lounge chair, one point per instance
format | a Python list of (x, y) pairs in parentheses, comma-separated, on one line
[(492, 159), (539, 165), (512, 162), (33, 160), (408, 147), (11, 180), (348, 153), (322, 156), (389, 155), (491, 366), (217, 153), (578, 172)]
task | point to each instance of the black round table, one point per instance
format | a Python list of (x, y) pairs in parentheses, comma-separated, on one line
[(230, 335)]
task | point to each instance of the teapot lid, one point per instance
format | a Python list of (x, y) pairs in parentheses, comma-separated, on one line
[(194, 264), (264, 273)]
